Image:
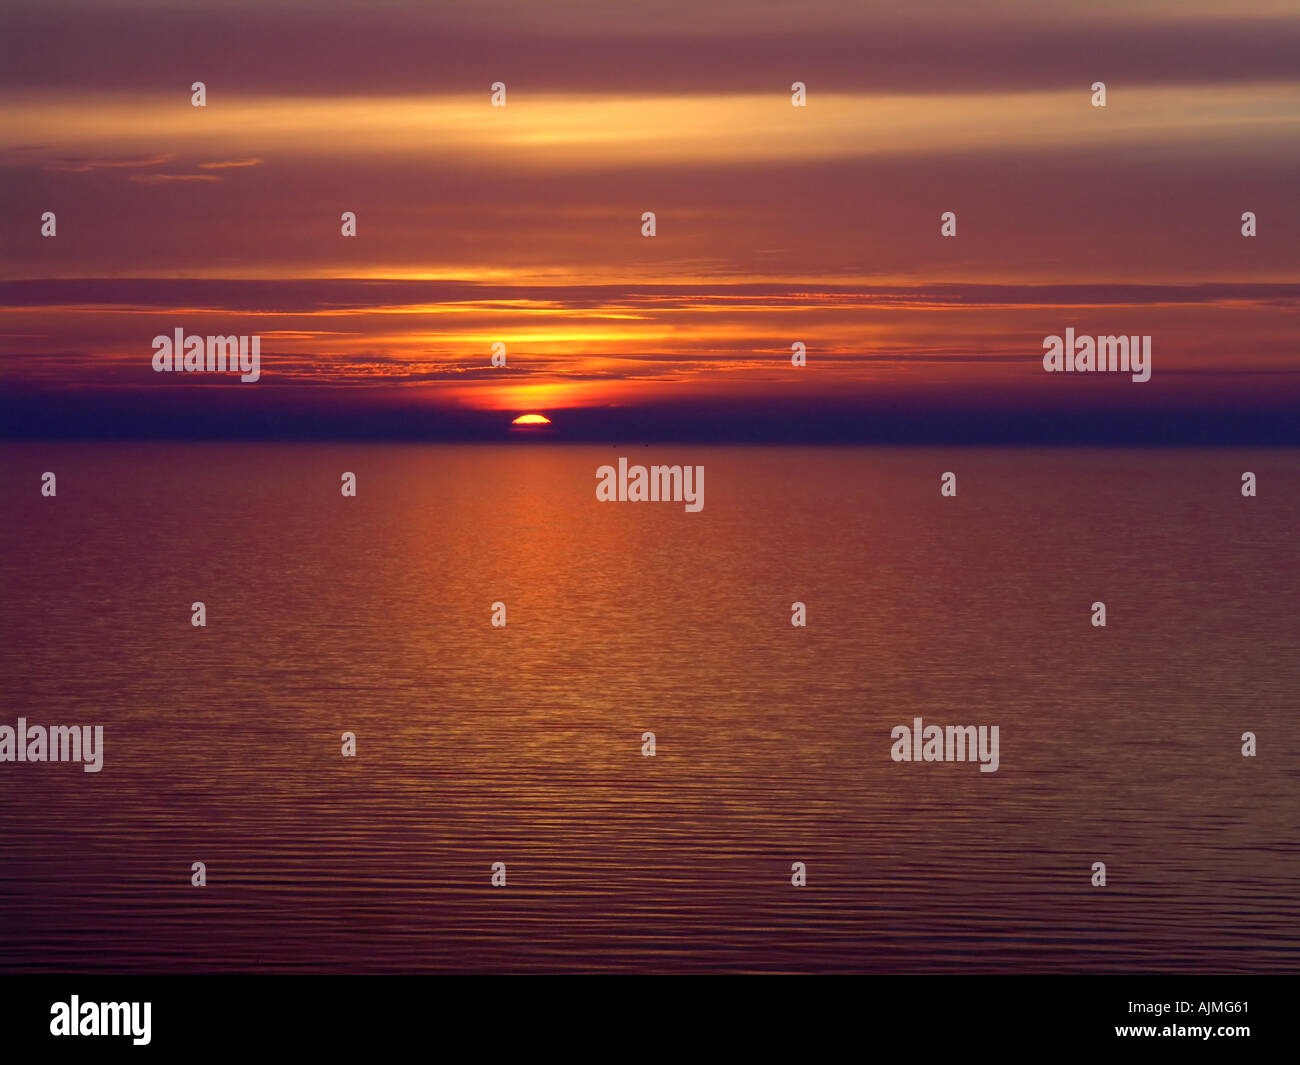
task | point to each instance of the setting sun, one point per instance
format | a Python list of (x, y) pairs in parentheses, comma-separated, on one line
[(531, 419)]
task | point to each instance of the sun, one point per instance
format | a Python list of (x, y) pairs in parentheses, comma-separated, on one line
[(532, 419)]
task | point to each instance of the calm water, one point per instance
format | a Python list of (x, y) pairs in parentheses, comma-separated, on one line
[(522, 744)]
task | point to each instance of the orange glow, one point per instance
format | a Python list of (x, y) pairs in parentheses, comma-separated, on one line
[(531, 419)]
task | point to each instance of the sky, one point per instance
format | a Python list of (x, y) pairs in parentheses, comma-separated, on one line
[(522, 224)]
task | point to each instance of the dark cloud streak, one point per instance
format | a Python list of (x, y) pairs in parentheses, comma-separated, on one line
[(304, 296), (415, 51)]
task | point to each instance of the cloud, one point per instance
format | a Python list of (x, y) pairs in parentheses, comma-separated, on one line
[(163, 179), (85, 164), (418, 49), (299, 296), (230, 163)]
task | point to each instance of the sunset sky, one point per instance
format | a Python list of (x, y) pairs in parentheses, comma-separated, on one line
[(776, 224)]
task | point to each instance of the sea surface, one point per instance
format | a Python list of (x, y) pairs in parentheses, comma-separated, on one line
[(523, 744)]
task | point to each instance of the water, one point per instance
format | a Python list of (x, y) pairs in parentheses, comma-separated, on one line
[(523, 744)]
